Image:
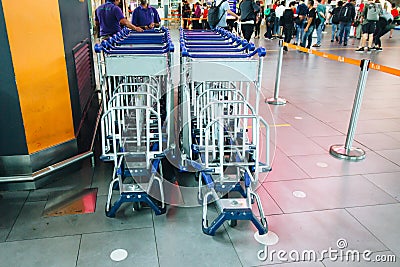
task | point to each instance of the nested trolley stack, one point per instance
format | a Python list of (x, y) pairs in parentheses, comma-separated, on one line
[(137, 94), (223, 137)]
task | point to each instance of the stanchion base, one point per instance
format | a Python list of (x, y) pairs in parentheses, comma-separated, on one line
[(275, 101), (353, 154)]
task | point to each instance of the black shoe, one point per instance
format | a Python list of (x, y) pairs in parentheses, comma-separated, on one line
[(361, 49), (332, 41), (378, 49), (337, 39), (345, 44), (285, 48), (369, 50)]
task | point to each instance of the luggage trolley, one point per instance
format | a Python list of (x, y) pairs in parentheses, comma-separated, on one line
[(135, 76), (224, 131)]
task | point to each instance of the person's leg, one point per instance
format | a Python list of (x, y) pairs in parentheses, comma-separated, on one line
[(310, 33), (341, 31), (334, 27), (347, 27), (247, 30), (319, 34)]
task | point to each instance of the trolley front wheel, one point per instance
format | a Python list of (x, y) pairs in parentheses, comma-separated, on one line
[(232, 223)]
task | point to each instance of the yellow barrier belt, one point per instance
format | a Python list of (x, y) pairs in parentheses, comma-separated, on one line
[(351, 61)]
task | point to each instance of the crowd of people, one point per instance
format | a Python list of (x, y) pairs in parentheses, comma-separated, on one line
[(370, 20)]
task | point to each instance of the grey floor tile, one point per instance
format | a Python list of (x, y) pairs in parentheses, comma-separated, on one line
[(325, 165), (292, 142), (316, 231), (3, 234), (10, 206), (95, 249), (395, 135), (393, 155), (268, 204), (389, 182), (369, 126), (383, 221), (51, 252), (180, 241), (102, 177), (310, 126), (384, 259), (327, 193), (378, 141), (31, 224), (283, 168)]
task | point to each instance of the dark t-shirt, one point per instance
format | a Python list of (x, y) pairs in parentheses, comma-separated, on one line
[(108, 15), (312, 14), (287, 17)]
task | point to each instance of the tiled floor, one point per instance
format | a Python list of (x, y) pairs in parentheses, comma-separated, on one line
[(355, 201)]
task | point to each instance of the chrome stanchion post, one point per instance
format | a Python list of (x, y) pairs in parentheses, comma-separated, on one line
[(348, 151), (276, 100)]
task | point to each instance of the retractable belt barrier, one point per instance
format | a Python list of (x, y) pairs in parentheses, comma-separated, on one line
[(346, 151), (347, 60), (222, 133), (136, 86)]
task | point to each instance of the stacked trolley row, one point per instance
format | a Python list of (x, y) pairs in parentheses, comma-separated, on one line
[(137, 97), (223, 137)]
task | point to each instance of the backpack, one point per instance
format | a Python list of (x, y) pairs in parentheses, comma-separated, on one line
[(372, 12), (213, 18), (345, 14), (271, 17), (335, 15)]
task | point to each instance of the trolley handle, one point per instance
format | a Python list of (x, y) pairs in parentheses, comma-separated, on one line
[(98, 48), (245, 45), (109, 45), (261, 51)]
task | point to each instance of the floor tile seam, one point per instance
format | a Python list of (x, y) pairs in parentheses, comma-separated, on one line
[(16, 218), (349, 207), (276, 203), (334, 209), (77, 234), (155, 239), (353, 174), (312, 178), (79, 248), (379, 188), (368, 230), (377, 152), (233, 245), (41, 238)]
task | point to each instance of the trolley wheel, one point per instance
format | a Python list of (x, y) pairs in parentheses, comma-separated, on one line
[(264, 223), (232, 223), (137, 206), (107, 211)]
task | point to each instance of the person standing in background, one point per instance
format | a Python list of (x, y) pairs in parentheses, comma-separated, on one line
[(395, 14), (185, 13), (145, 16), (301, 21), (257, 24), (109, 18), (248, 11), (335, 21), (320, 22), (278, 14), (287, 21), (310, 26), (346, 17)]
